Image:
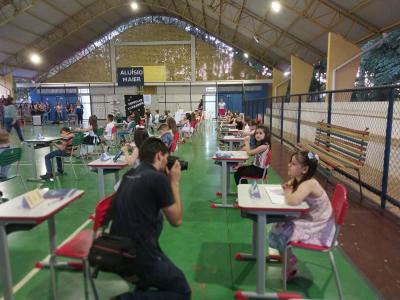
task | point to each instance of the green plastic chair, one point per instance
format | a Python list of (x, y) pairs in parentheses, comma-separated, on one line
[(99, 132), (77, 141), (8, 157)]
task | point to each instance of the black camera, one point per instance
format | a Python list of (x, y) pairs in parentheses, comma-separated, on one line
[(171, 160)]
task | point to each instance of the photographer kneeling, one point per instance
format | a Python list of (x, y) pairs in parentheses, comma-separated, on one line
[(144, 192)]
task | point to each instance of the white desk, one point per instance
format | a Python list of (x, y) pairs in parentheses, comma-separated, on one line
[(231, 139), (12, 212), (236, 157), (229, 130), (100, 166), (227, 125), (261, 208), (32, 143)]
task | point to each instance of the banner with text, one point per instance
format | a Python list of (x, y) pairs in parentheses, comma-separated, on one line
[(133, 76), (134, 103)]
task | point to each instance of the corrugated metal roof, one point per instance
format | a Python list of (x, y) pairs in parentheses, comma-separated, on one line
[(57, 28)]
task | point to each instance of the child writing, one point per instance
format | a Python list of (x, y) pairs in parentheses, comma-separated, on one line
[(315, 227), (260, 153)]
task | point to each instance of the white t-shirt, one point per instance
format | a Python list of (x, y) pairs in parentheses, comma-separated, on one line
[(108, 131), (246, 128), (156, 118), (221, 105)]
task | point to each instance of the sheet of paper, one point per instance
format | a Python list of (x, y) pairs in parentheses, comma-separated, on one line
[(275, 194)]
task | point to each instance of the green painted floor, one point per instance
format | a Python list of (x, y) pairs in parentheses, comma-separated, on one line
[(203, 247)]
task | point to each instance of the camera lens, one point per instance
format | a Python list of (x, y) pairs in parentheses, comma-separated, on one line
[(184, 165)]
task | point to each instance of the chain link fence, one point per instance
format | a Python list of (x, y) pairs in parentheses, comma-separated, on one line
[(293, 120)]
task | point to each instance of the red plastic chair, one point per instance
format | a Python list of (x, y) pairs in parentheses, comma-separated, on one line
[(79, 245), (264, 177), (339, 205)]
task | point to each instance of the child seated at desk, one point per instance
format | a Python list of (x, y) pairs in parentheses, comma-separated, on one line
[(260, 153), (165, 135), (249, 130), (315, 227), (91, 137), (175, 133), (64, 148), (108, 131), (131, 150)]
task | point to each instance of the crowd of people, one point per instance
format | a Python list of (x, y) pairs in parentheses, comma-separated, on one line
[(57, 113)]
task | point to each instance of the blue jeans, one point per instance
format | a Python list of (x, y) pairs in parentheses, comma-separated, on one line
[(59, 116), (8, 123), (49, 156), (169, 281)]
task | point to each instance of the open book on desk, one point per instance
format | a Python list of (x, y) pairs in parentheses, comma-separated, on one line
[(275, 193)]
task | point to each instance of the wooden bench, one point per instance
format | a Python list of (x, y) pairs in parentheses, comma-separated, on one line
[(339, 148)]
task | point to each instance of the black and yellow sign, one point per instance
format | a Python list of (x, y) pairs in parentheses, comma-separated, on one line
[(132, 76)]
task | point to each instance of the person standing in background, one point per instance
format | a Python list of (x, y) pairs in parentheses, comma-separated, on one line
[(79, 112), (221, 107), (10, 118), (59, 116), (2, 104)]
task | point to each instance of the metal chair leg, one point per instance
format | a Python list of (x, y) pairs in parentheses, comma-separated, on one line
[(85, 278), (73, 169), (338, 285), (359, 183), (91, 281), (23, 182), (284, 268)]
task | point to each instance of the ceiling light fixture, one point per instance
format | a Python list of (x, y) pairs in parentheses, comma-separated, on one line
[(245, 55), (35, 58), (287, 73), (255, 37), (276, 6), (134, 6)]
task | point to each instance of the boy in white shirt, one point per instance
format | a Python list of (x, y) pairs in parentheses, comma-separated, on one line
[(108, 132)]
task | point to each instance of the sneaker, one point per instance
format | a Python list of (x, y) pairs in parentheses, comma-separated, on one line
[(46, 176), (60, 172)]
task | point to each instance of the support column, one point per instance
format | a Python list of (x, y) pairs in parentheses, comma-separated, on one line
[(301, 76), (113, 62), (193, 57), (279, 83), (342, 65)]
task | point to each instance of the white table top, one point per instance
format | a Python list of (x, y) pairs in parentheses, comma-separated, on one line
[(14, 210), (264, 203), (230, 130), (236, 156), (109, 164), (44, 139), (229, 138)]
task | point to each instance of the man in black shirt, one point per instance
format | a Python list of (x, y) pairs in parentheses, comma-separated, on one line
[(145, 194)]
